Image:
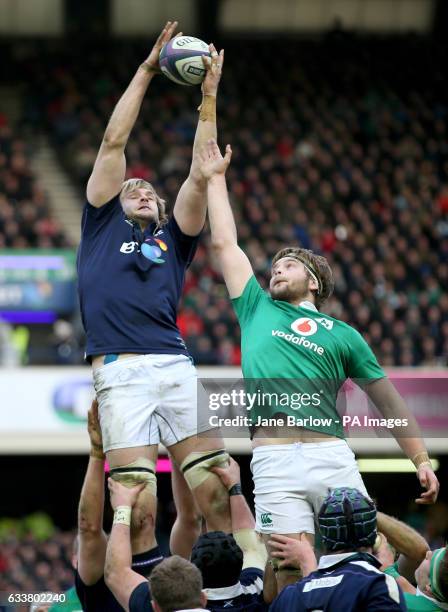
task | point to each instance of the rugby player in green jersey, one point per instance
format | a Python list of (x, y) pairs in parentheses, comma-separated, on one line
[(285, 337), (421, 573)]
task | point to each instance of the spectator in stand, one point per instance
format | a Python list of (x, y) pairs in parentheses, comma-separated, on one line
[(25, 220)]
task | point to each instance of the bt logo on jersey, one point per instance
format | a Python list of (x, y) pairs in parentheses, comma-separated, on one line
[(128, 247), (152, 248), (304, 326)]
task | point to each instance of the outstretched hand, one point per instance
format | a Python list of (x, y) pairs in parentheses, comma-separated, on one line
[(211, 162), (213, 67), (165, 36), (429, 481)]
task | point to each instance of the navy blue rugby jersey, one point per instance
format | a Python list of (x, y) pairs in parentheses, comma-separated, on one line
[(347, 582), (130, 282), (245, 596)]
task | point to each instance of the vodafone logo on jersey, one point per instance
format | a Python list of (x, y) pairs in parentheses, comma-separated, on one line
[(304, 326)]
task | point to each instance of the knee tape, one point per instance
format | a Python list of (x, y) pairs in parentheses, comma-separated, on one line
[(196, 466), (141, 470)]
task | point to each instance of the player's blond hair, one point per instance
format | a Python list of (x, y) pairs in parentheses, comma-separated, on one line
[(138, 183), (317, 264)]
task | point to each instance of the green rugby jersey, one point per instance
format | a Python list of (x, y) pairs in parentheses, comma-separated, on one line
[(283, 341), (415, 603)]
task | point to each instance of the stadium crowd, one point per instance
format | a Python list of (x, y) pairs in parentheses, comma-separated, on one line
[(25, 219), (29, 564), (347, 157)]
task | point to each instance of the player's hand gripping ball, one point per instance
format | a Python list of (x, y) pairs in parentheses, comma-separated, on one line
[(181, 60)]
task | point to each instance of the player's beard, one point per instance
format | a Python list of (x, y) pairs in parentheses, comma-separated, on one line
[(291, 291), (146, 216)]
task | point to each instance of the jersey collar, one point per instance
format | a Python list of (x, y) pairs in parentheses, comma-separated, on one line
[(309, 305), (224, 592), (328, 561)]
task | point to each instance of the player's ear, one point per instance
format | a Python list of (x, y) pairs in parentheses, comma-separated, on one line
[(313, 286)]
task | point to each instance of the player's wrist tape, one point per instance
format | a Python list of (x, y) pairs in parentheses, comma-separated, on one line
[(421, 458), (423, 464), (97, 454), (236, 489), (148, 68), (207, 110), (97, 451), (122, 515)]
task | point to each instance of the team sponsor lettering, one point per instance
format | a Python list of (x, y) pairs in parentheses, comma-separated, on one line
[(322, 583), (128, 247), (302, 341)]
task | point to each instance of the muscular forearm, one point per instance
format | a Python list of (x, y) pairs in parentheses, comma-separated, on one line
[(222, 222), (119, 553), (403, 538), (91, 503), (205, 130), (392, 406), (127, 109), (241, 515)]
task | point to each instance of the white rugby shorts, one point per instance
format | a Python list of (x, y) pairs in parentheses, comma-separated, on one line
[(147, 399), (292, 480)]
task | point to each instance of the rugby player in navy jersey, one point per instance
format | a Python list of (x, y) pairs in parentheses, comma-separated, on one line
[(91, 588), (131, 268), (348, 577), (232, 566)]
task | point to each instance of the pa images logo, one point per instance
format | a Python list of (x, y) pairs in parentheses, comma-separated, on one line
[(304, 326)]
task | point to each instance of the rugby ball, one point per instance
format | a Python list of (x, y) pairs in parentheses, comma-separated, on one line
[(181, 60)]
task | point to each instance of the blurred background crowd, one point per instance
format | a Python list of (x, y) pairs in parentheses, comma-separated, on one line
[(338, 147)]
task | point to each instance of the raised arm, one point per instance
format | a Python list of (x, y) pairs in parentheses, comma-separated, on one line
[(191, 204), (118, 573), (110, 166), (243, 522), (409, 543), (391, 405), (235, 265), (92, 539)]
